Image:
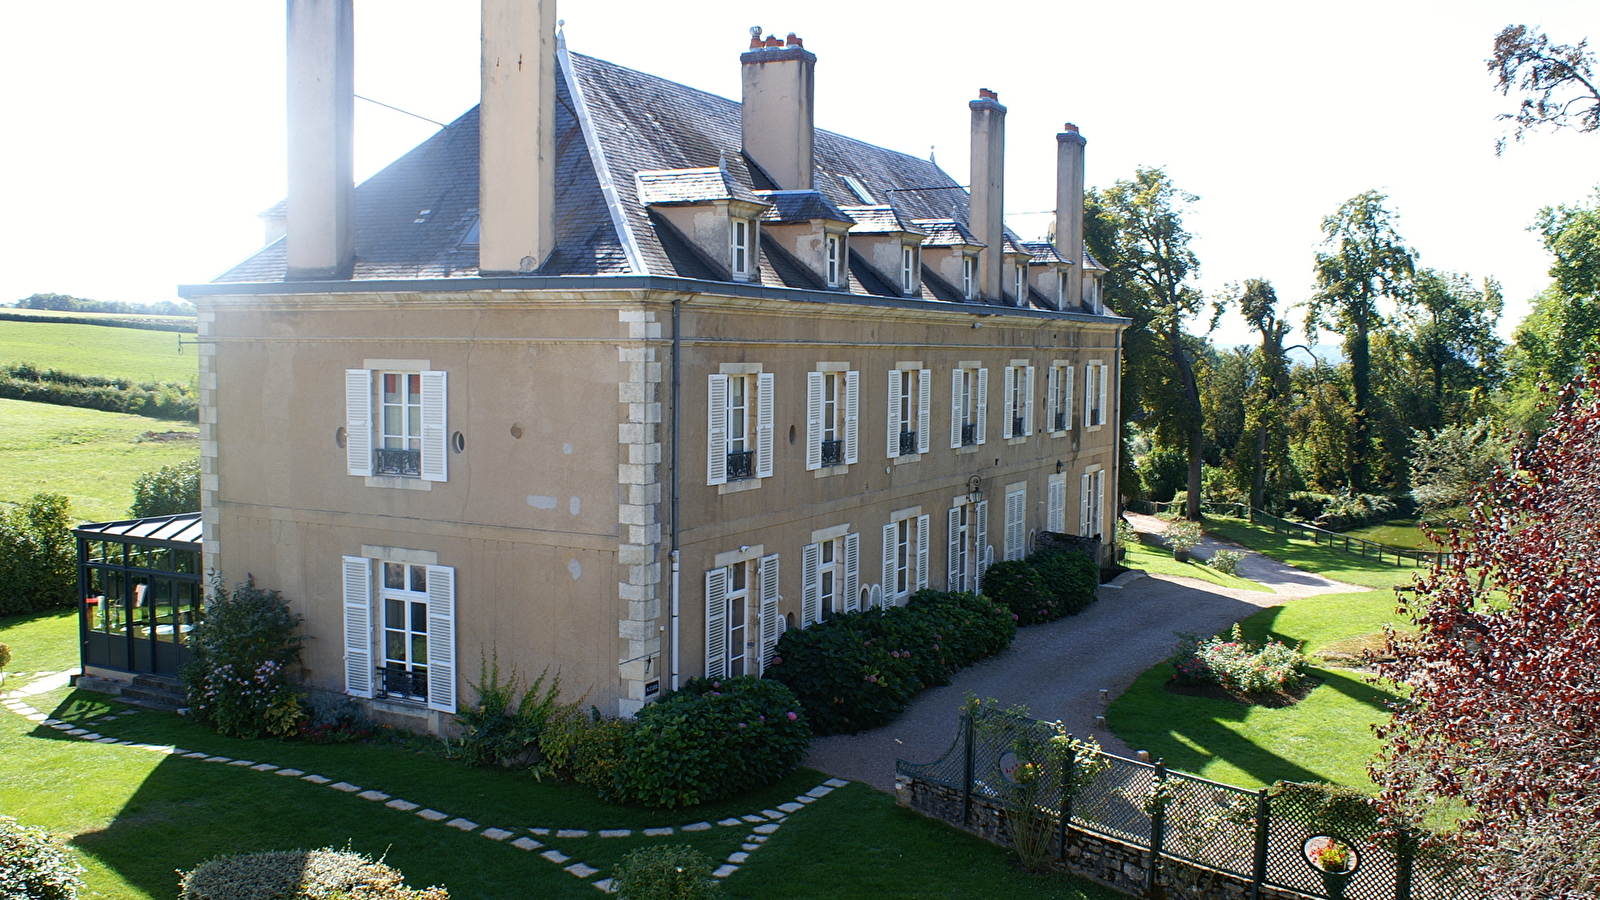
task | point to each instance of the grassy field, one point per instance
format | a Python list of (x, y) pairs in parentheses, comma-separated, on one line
[(88, 455), (97, 350), (1159, 561), (1397, 533), (1325, 737), (1331, 562), (133, 816)]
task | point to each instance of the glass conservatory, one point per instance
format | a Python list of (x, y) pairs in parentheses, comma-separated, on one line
[(139, 593)]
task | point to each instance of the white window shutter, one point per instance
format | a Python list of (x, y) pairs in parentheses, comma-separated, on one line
[(358, 421), (1015, 507), (1084, 490), (1052, 396), (1057, 505), (1105, 390), (852, 414), (955, 409), (717, 623), (952, 561), (895, 376), (889, 547), (924, 535), (983, 405), (981, 543), (1027, 401), (771, 621), (1066, 399), (764, 425), (1008, 389), (442, 638), (852, 571), (810, 585), (1098, 515), (358, 667), (435, 434), (717, 427), (924, 407), (814, 424), (1090, 374)]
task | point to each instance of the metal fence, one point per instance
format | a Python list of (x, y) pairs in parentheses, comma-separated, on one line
[(1287, 838), (1400, 556)]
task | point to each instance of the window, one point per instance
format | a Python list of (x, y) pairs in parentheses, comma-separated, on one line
[(910, 389), (1061, 289), (1016, 517), (743, 240), (1018, 421), (832, 413), (968, 276), (1094, 395), (739, 418), (909, 257), (905, 556), (830, 575), (1056, 504), (1092, 503), (1058, 398), (742, 620), (406, 438), (835, 264), (1091, 293), (1022, 284), (968, 538), (969, 405), (406, 649)]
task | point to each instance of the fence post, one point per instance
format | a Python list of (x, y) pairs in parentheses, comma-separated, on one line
[(1158, 830), (966, 794), (1258, 872), (1068, 767), (1407, 854)]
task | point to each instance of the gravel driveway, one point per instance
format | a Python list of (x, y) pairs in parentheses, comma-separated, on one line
[(1059, 669)]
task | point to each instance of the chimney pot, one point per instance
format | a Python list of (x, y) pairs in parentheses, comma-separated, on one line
[(1071, 127), (793, 40), (986, 94), (774, 41)]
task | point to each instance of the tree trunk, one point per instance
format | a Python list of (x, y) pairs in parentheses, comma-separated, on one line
[(1361, 438), (1196, 418), (1258, 491)]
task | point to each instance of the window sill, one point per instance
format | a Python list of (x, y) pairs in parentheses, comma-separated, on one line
[(395, 707), (969, 448), (1091, 429), (400, 482), (830, 471), (908, 458), (1012, 442), (735, 487), (1057, 434)]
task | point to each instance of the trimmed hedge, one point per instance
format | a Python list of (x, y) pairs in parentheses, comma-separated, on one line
[(1044, 587), (161, 400), (860, 670), (38, 556)]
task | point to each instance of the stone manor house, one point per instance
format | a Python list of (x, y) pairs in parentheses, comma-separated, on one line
[(618, 378)]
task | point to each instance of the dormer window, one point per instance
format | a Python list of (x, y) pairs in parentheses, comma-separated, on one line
[(1061, 290), (1091, 294), (743, 231), (1022, 285), (908, 271), (835, 260), (968, 276)]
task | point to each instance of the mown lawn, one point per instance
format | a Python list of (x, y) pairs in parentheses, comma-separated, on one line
[(1397, 533), (1158, 560), (136, 353), (1325, 737), (1322, 559), (88, 455), (135, 816)]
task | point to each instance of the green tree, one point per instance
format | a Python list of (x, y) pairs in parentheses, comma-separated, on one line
[(1557, 81), (1266, 401), (1563, 329), (38, 556), (1362, 262), (1457, 352), (168, 491), (1448, 465), (1135, 228)]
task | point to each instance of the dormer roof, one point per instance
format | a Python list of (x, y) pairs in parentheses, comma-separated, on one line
[(1043, 253), (947, 233), (880, 220), (672, 187), (785, 207)]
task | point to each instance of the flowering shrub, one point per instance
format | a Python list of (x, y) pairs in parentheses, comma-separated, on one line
[(5, 657), (1182, 536), (860, 670), (670, 872), (238, 676), (33, 866), (1226, 561), (1236, 665), (334, 719), (281, 874), (1018, 586)]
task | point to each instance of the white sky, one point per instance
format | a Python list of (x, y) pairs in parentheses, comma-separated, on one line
[(142, 138)]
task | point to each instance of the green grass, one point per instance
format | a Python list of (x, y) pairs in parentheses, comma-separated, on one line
[(1159, 561), (90, 456), (134, 816), (1325, 737), (1396, 533), (1335, 563), (97, 350)]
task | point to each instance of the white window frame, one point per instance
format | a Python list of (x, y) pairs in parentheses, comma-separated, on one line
[(745, 648), (1091, 293), (836, 419), (741, 241), (1061, 289), (755, 418), (364, 596), (364, 405), (969, 403), (835, 259), (830, 575), (905, 555), (1056, 503), (908, 268), (1092, 502), (1058, 398), (1022, 284), (1016, 529), (1018, 387), (966, 540), (903, 395), (1095, 392), (969, 275)]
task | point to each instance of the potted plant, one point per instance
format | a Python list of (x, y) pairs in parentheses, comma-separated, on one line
[(1182, 537), (1335, 861), (1127, 537)]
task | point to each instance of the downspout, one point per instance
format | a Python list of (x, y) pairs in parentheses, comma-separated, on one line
[(677, 303), (1116, 452)]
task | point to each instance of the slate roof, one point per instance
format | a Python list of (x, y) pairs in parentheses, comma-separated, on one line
[(1042, 252), (642, 140)]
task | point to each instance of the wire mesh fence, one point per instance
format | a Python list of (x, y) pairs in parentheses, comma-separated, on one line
[(1306, 838)]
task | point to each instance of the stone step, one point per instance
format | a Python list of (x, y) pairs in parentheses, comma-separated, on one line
[(165, 683), (149, 699)]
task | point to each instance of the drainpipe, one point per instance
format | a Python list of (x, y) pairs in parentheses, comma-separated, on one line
[(677, 304)]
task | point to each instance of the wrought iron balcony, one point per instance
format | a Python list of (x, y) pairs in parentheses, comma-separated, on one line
[(832, 453), (407, 463), (1060, 421), (969, 434), (741, 465), (908, 443), (1094, 416), (1019, 426), (395, 683)]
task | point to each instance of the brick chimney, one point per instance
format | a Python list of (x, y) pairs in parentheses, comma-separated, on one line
[(778, 123), (320, 218), (1069, 208), (516, 136), (987, 190)]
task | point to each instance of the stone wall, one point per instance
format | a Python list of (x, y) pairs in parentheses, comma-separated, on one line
[(1113, 863)]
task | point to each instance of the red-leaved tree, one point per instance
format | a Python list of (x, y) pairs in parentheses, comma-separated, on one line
[(1502, 677)]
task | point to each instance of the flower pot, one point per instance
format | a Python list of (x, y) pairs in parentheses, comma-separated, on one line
[(1122, 553), (1181, 555), (1334, 883)]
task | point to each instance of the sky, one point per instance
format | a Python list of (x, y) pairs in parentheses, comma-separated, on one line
[(143, 138)]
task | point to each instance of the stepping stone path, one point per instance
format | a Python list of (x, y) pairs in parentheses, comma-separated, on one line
[(764, 824)]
